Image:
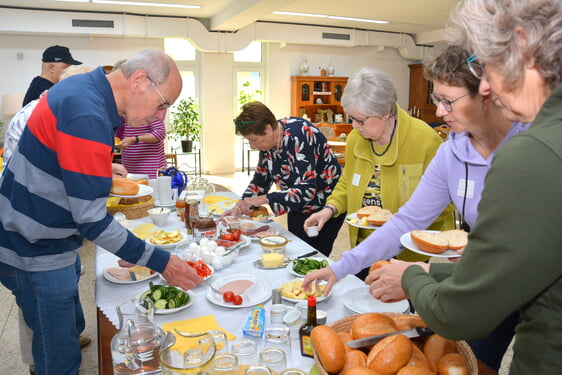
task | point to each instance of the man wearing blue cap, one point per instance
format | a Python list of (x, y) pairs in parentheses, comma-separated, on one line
[(55, 60)]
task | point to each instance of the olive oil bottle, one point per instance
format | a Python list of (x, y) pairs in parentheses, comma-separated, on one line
[(306, 328)]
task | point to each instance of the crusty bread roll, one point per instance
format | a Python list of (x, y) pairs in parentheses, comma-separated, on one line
[(457, 238), (328, 348), (367, 210), (354, 358), (390, 354), (371, 324), (124, 186), (436, 347), (418, 359), (408, 321), (378, 264), (261, 210), (142, 181), (379, 218), (452, 364), (359, 371), (429, 242), (345, 338), (414, 370)]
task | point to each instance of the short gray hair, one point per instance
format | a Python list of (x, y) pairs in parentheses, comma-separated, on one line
[(371, 93), (155, 63), (489, 29)]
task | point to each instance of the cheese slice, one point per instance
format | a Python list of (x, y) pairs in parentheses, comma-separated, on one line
[(143, 231), (212, 199), (272, 260)]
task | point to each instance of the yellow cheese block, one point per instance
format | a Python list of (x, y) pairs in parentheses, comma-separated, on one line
[(143, 231), (212, 199), (271, 260)]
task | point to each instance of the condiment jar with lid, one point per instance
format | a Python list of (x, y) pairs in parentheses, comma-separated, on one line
[(205, 226)]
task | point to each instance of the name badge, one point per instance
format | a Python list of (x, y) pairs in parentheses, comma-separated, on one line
[(469, 188), (356, 179)]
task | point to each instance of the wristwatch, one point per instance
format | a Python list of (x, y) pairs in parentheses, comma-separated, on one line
[(136, 139)]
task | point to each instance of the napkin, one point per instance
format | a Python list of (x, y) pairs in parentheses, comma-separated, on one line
[(201, 324)]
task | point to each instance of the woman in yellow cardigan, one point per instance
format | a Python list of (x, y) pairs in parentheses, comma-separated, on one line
[(386, 154)]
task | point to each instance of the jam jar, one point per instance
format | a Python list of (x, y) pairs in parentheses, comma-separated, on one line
[(205, 226)]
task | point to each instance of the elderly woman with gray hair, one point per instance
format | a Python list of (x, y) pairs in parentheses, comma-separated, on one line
[(386, 155), (512, 261)]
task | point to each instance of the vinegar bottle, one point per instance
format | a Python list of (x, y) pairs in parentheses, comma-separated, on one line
[(306, 328)]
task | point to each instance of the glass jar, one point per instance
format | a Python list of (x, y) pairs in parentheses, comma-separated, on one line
[(191, 214), (180, 208), (205, 226)]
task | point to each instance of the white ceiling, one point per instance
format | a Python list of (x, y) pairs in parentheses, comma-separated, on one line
[(424, 20)]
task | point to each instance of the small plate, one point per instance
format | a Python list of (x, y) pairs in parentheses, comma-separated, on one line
[(205, 278), (295, 300), (354, 216), (262, 294), (406, 241), (258, 264), (171, 205), (143, 190), (170, 245), (292, 272), (359, 301), (115, 280), (170, 311)]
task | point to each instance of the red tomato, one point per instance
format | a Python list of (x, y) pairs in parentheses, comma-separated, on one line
[(228, 296), (227, 236), (237, 300), (236, 234)]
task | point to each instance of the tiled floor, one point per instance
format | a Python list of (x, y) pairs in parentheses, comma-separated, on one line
[(10, 358)]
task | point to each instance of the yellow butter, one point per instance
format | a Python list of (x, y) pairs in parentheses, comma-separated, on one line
[(272, 260)]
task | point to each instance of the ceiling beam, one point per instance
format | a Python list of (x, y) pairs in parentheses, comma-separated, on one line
[(240, 13)]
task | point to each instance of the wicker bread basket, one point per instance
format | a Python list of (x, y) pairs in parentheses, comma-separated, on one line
[(133, 211), (344, 325)]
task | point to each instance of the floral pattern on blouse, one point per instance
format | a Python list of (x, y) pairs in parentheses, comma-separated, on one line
[(304, 169)]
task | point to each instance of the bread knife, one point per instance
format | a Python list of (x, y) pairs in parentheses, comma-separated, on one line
[(372, 340)]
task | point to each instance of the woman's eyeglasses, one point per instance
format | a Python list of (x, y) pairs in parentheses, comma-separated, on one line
[(476, 68), (360, 122), (447, 104), (241, 124)]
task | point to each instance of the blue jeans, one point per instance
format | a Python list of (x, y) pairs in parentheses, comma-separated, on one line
[(51, 308)]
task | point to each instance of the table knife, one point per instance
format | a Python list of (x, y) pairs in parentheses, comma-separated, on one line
[(372, 340)]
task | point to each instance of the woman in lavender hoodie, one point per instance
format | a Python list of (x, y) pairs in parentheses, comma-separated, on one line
[(478, 129)]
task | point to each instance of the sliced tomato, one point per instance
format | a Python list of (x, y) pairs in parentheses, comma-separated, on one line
[(237, 300), (236, 235), (227, 237), (228, 296)]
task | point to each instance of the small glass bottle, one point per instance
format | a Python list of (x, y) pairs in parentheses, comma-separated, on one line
[(306, 329)]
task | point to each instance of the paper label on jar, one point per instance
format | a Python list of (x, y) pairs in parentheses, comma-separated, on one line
[(208, 233)]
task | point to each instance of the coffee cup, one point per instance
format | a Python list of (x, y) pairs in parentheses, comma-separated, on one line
[(277, 312), (321, 317), (292, 319)]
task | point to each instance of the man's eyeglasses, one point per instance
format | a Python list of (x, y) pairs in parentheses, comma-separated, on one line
[(476, 68), (360, 122), (165, 104), (447, 104), (241, 124)]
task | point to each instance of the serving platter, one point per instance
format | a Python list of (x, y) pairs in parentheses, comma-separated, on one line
[(229, 200), (353, 216), (297, 300), (261, 292), (115, 280), (143, 190), (406, 241)]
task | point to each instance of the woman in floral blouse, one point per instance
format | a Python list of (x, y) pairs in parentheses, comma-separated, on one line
[(295, 156)]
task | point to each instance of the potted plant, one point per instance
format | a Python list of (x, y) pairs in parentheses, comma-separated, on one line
[(185, 123), (248, 94)]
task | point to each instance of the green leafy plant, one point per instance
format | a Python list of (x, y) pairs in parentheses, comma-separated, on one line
[(185, 120), (247, 95)]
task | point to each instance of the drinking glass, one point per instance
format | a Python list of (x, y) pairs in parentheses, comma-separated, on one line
[(246, 351), (221, 342), (293, 371), (277, 336), (274, 359), (257, 370), (225, 364)]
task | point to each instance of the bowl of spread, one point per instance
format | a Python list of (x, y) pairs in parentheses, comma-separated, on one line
[(274, 244)]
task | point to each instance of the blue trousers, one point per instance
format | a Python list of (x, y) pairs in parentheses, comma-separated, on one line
[(51, 308)]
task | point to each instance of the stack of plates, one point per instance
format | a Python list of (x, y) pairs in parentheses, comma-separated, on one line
[(360, 301)]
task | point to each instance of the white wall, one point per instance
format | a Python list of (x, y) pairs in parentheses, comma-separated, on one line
[(216, 81)]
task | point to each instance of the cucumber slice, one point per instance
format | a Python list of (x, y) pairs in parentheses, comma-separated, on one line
[(160, 304)]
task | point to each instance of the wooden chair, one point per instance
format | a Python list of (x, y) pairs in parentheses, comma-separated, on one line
[(328, 132), (172, 159)]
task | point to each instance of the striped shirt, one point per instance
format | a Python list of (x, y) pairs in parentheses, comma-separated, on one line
[(144, 158)]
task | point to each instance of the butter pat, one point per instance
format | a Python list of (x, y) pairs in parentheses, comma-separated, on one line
[(272, 260)]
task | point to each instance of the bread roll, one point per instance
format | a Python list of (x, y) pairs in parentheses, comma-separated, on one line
[(452, 364), (124, 186), (378, 264), (359, 371), (328, 348), (371, 324), (390, 354), (414, 370), (457, 238), (436, 347), (418, 359), (345, 338), (142, 181), (379, 218), (261, 210), (354, 358), (429, 242), (408, 321), (367, 210)]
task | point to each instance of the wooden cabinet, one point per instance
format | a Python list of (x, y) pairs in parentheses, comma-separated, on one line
[(311, 94), (420, 104)]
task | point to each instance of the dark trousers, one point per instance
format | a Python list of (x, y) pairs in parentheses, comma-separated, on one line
[(325, 239)]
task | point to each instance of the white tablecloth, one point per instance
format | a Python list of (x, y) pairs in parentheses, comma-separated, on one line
[(108, 294)]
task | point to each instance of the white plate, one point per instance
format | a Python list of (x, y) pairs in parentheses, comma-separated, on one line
[(205, 278), (406, 241), (143, 190), (170, 311), (354, 216), (221, 206), (360, 301), (257, 225), (170, 245), (292, 272), (260, 295), (318, 299), (263, 220), (245, 242), (114, 280)]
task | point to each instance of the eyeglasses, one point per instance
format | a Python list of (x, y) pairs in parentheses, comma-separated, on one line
[(242, 124), (165, 104), (476, 68), (360, 122), (447, 104)]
